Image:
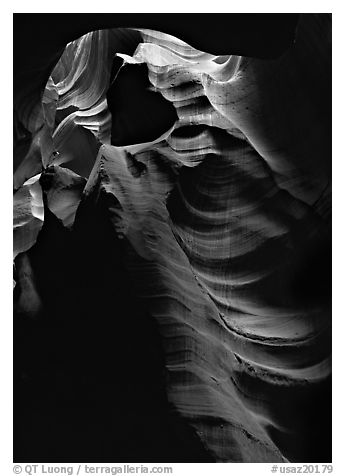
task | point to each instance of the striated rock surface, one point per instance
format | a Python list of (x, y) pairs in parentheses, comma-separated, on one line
[(28, 215), (185, 248)]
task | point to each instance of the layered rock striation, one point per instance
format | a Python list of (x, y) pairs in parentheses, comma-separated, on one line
[(188, 196)]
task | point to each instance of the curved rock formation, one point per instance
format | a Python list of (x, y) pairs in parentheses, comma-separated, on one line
[(208, 178)]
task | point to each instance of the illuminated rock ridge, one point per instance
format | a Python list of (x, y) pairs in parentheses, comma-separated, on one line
[(172, 216)]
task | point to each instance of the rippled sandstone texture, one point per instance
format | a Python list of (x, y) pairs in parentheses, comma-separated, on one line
[(172, 251)]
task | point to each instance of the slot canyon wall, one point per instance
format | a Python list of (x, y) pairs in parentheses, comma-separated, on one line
[(172, 238)]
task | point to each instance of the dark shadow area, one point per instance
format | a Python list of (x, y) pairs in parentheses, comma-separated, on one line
[(138, 113), (89, 369), (89, 383)]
